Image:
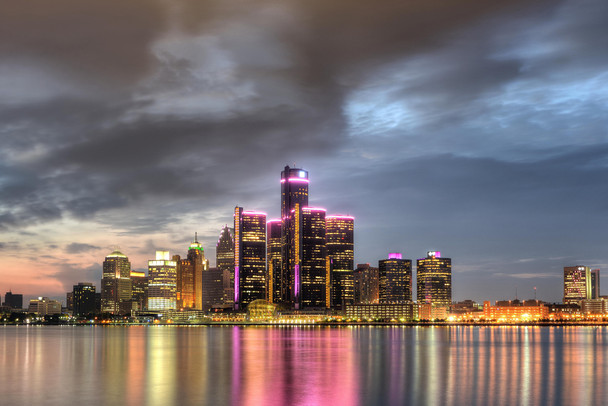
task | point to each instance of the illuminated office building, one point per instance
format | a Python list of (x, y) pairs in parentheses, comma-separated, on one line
[(275, 289), (162, 282), (395, 276), (577, 284), (249, 257), (308, 260), (44, 306), (190, 277), (294, 191), (83, 299), (595, 284), (224, 260), (340, 251), (366, 284), (116, 284), (434, 280), (139, 290)]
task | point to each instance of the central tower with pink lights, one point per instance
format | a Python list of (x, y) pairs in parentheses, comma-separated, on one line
[(309, 255)]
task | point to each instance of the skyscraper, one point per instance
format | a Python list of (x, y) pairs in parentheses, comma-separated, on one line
[(366, 284), (294, 190), (340, 250), (249, 257), (224, 260), (162, 282), (139, 290), (213, 288), (434, 279), (116, 284), (395, 275), (308, 260), (275, 289), (595, 284), (190, 277), (577, 284), (83, 299)]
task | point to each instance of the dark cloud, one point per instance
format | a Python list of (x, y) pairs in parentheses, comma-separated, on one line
[(470, 126), (76, 248), (100, 42)]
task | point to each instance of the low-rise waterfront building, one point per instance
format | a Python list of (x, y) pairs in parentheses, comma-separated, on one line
[(382, 311), (44, 306), (515, 311)]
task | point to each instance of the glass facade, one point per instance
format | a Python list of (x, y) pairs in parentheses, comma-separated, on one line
[(162, 282), (294, 191), (434, 280), (577, 284), (224, 260), (275, 288), (249, 257), (308, 261), (395, 283), (340, 251), (116, 284)]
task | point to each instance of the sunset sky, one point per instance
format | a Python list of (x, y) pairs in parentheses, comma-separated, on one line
[(476, 128)]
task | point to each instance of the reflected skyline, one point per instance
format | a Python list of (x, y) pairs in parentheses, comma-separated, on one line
[(304, 365)]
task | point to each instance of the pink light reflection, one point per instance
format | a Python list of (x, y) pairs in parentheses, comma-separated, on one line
[(395, 255)]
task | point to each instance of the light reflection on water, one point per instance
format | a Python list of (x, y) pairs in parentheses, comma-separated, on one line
[(161, 365)]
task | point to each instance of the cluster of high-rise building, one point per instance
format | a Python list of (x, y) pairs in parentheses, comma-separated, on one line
[(302, 260)]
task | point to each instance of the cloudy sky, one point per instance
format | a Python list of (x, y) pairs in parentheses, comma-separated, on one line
[(477, 128)]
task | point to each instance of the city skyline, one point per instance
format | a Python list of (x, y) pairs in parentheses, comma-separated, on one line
[(472, 128)]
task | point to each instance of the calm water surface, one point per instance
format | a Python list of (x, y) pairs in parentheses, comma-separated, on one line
[(159, 365)]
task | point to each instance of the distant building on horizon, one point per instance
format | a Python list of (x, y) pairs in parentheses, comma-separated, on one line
[(395, 274), (577, 284), (340, 252), (249, 257), (116, 284), (13, 300), (83, 299), (434, 280), (595, 284), (44, 306), (162, 282)]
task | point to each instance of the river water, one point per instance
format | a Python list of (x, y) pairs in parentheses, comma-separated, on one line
[(236, 365)]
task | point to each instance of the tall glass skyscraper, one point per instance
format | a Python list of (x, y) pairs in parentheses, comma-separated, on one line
[(116, 284), (249, 257), (224, 261), (294, 191), (434, 279), (309, 257), (340, 250), (162, 282), (395, 275), (275, 289)]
